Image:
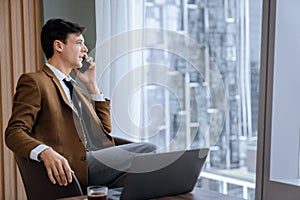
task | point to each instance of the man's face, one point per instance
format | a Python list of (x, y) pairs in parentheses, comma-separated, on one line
[(74, 50)]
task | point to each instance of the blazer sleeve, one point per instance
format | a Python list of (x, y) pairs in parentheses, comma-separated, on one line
[(103, 112), (26, 105)]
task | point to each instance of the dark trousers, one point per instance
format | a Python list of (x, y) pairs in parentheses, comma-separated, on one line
[(109, 166)]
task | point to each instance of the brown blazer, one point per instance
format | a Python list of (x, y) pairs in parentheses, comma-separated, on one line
[(42, 114)]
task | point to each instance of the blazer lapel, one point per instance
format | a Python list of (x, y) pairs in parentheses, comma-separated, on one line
[(58, 85)]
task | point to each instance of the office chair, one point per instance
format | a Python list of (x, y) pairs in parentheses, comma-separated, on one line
[(37, 184)]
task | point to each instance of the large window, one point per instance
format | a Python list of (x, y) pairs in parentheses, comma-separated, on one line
[(177, 104)]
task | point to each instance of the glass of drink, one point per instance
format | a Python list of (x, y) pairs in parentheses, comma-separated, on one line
[(97, 192)]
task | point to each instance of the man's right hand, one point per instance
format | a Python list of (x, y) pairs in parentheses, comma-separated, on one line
[(58, 168)]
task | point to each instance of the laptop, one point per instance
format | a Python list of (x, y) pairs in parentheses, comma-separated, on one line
[(161, 174)]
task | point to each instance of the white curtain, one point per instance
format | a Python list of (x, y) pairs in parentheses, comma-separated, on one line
[(114, 20)]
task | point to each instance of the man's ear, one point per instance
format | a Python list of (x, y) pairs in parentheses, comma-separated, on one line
[(58, 46)]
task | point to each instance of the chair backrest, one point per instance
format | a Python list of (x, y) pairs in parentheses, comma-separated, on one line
[(37, 184)]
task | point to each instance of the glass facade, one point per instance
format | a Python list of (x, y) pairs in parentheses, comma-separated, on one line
[(229, 31)]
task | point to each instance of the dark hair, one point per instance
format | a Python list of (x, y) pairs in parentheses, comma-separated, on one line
[(57, 29)]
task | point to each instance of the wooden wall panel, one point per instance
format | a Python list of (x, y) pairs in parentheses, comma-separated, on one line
[(20, 22)]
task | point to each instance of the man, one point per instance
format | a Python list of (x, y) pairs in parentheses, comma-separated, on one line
[(56, 122)]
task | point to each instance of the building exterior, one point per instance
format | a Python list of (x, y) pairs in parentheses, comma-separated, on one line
[(229, 31)]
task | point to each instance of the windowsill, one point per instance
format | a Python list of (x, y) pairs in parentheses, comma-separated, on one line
[(295, 181)]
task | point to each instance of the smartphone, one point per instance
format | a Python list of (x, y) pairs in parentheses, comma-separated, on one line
[(85, 65)]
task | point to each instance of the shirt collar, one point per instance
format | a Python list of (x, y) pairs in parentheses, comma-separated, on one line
[(59, 75)]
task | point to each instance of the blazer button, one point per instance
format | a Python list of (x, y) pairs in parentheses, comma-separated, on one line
[(83, 158)]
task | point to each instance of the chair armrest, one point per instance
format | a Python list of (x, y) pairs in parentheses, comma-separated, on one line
[(121, 141), (37, 183)]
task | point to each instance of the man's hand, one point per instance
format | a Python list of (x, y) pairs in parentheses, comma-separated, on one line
[(58, 168), (88, 78)]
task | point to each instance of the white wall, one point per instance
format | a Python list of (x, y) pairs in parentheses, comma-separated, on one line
[(286, 92), (80, 11)]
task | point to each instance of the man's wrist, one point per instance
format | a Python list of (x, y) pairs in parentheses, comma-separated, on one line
[(93, 89), (34, 154)]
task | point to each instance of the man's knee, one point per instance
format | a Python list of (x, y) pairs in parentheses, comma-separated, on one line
[(148, 147)]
